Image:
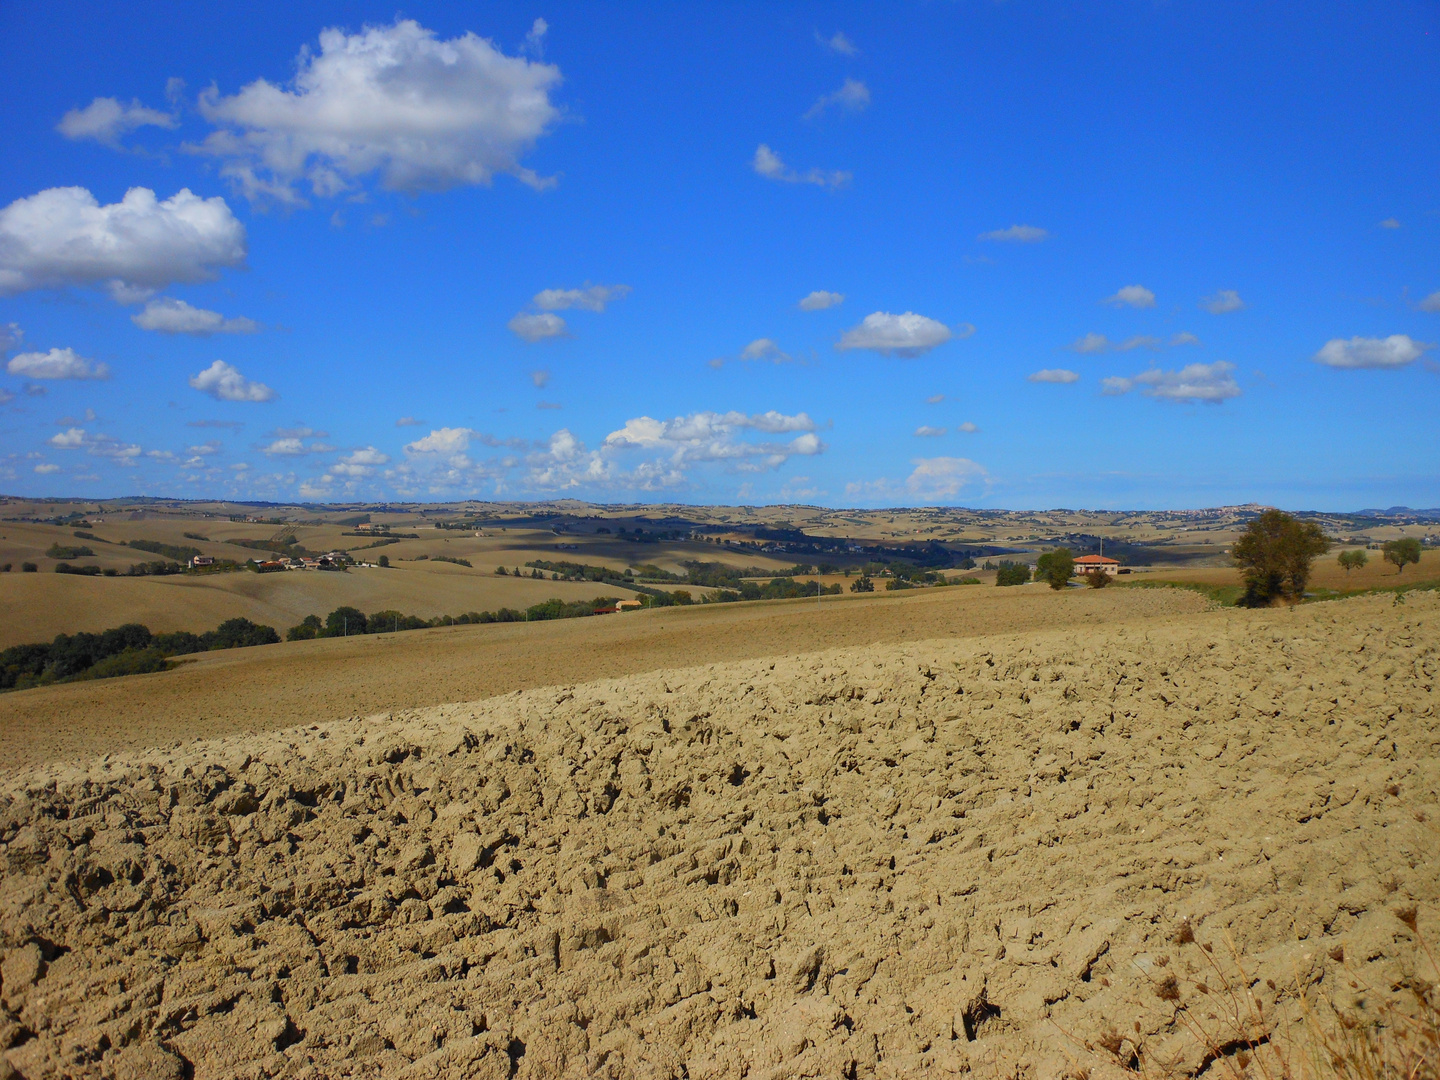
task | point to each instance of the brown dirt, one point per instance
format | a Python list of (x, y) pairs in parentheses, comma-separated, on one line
[(279, 686), (973, 854)]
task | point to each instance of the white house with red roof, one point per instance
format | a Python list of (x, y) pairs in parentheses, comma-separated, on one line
[(1087, 563)]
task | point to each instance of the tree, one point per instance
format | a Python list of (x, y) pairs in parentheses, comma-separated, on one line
[(344, 621), (1353, 560), (1097, 578), (385, 561), (1400, 552), (862, 584), (1274, 554), (1011, 573), (1055, 568), (500, 571)]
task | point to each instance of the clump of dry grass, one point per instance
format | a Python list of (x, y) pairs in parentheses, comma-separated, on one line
[(1398, 1040)]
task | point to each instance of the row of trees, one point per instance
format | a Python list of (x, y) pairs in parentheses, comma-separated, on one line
[(1277, 550)]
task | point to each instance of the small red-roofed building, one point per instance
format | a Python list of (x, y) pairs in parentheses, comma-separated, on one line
[(1088, 563)]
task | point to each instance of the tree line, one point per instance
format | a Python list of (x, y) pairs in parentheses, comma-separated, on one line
[(123, 650)]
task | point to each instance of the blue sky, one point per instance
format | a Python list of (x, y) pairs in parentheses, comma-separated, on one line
[(1123, 254)]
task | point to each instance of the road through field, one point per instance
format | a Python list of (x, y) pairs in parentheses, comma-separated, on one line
[(279, 686)]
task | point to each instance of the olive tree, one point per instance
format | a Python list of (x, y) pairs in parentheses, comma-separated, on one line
[(1400, 552), (1274, 554), (1352, 560)]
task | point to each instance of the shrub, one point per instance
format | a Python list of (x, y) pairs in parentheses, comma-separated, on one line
[(966, 581), (449, 559), (239, 633), (84, 571), (344, 621), (502, 572), (28, 568), (1097, 578), (862, 584), (385, 561), (179, 553), (1055, 568), (59, 551), (308, 628), (1011, 573), (1274, 554), (1400, 552)]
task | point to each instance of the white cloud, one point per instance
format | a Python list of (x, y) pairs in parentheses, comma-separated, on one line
[(819, 300), (711, 437), (360, 463), (425, 114), (299, 432), (1139, 341), (968, 427), (535, 37), (1091, 343), (165, 315), (408, 421), (532, 327), (1135, 296), (63, 237), (853, 95), (292, 446), (590, 298), (548, 405), (539, 377), (1208, 383), (211, 447), (46, 469), (768, 164), (11, 335), (1430, 303), (71, 439), (1225, 300), (448, 441), (1390, 223), (98, 445), (764, 349), (224, 383), (934, 399), (1017, 234), (1184, 337), (1054, 375), (1394, 351), (87, 417), (837, 42), (943, 477), (56, 364), (900, 335), (105, 120), (925, 431)]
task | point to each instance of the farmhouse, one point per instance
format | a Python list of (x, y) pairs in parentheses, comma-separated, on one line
[(1086, 563)]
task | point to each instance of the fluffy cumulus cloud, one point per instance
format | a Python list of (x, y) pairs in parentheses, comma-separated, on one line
[(165, 315), (63, 237), (534, 327), (424, 114), (224, 383), (97, 445), (838, 43), (590, 298), (359, 464), (447, 441), (819, 300), (764, 349), (933, 480), (294, 446), (1223, 302), (56, 364), (1135, 296), (768, 164), (900, 335), (1054, 375), (46, 468), (105, 120), (853, 96), (1394, 351), (1017, 234), (1205, 383)]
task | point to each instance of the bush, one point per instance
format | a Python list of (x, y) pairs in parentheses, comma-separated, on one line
[(308, 628), (1011, 573), (1400, 552), (59, 551), (502, 572), (1274, 554), (1055, 568), (1097, 578), (344, 621), (447, 558), (862, 584), (239, 633), (1352, 560), (28, 568), (176, 552), (385, 561), (966, 581), (84, 571)]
